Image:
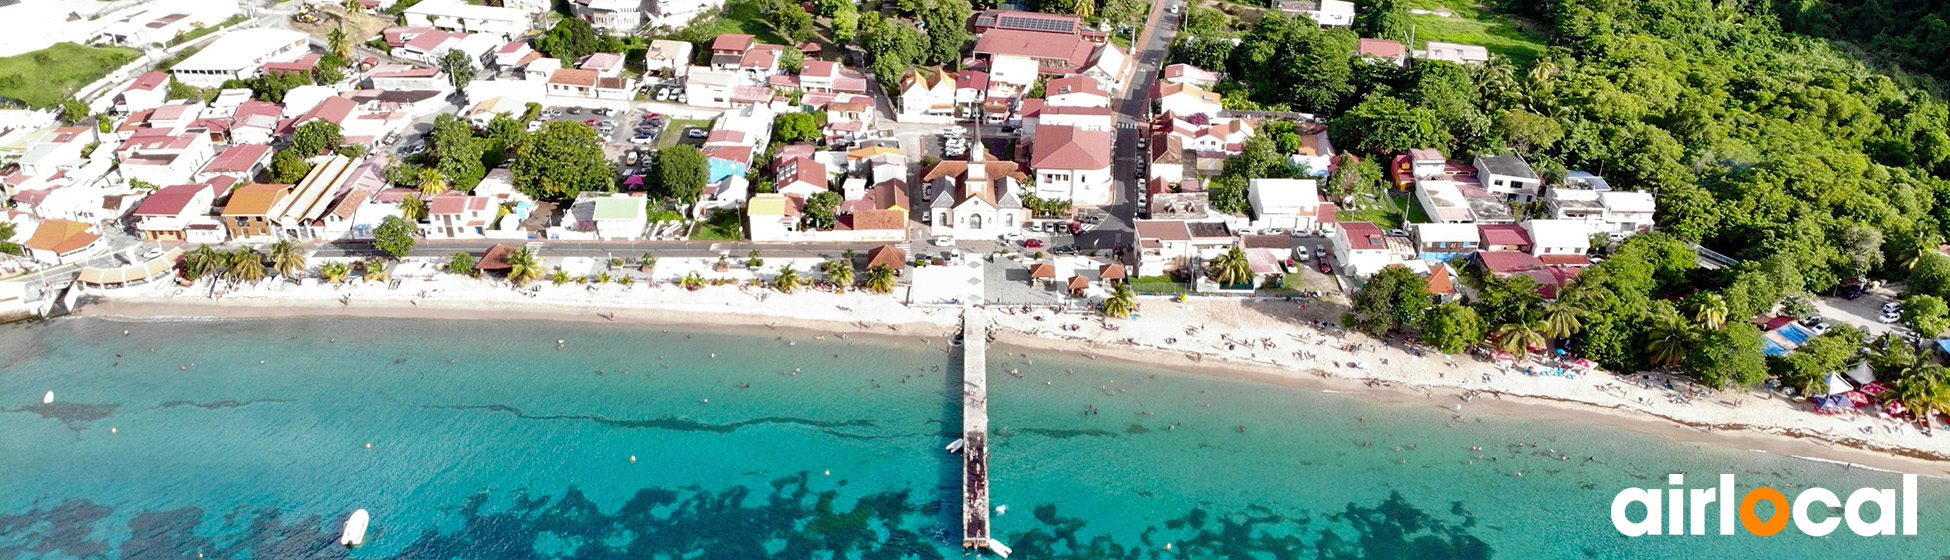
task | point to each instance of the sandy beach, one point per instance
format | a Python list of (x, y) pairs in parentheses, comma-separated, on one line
[(1268, 341)]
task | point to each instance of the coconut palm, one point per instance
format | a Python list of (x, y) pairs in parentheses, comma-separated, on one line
[(1231, 268), (353, 7), (1562, 319), (1710, 310), (432, 182), (840, 273), (693, 281), (787, 280), (1669, 340), (647, 262), (375, 270), (287, 257), (560, 277), (245, 265), (753, 260), (200, 261), (413, 208), (1520, 338), (338, 42), (626, 280), (880, 279), (1924, 390), (1121, 303), (334, 272), (522, 267), (600, 278)]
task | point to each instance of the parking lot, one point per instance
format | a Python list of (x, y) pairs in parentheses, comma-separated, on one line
[(1862, 312)]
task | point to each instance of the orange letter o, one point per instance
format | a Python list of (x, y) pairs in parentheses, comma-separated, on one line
[(1752, 521)]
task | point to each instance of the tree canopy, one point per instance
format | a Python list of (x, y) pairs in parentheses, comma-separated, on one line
[(560, 160), (1393, 298), (679, 173), (570, 39)]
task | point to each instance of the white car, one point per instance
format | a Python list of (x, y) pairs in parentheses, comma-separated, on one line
[(697, 133), (643, 140), (1890, 317)]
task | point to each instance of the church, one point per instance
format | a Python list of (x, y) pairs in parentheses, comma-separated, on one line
[(976, 198)]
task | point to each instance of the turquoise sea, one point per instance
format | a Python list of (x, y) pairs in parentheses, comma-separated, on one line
[(518, 448)]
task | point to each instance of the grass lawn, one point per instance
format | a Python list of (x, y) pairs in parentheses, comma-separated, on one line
[(1388, 216), (1416, 215), (1471, 24), (674, 132), (743, 17), (46, 77), (723, 226), (208, 29), (1158, 285)]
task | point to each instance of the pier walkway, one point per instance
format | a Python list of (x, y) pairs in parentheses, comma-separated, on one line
[(975, 432)]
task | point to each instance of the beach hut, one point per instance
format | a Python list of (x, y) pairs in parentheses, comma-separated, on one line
[(1042, 271), (1110, 273), (1078, 284), (496, 259), (888, 255)]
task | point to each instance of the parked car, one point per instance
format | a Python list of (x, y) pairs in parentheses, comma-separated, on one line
[(1819, 328), (697, 133), (1320, 252), (1810, 320), (643, 139), (1889, 317), (575, 110), (1323, 266), (1892, 307), (1032, 243)]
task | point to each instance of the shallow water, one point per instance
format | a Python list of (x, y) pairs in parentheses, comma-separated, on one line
[(518, 449)]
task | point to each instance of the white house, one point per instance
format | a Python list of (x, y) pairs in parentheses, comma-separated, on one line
[(674, 14), (148, 91), (1109, 66), (1072, 164), (1456, 52), (169, 213), (1075, 91), (975, 198), (1182, 73), (238, 55), (615, 17), (63, 242), (1187, 99), (665, 56), (1510, 176), (1559, 241), (458, 216), (1362, 249), (927, 97), (1442, 241), (457, 15), (1290, 204)]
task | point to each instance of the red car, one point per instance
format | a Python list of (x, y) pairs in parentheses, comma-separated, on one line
[(1324, 268), (1032, 243), (589, 122)]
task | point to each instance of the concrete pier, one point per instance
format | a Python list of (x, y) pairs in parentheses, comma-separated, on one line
[(975, 429)]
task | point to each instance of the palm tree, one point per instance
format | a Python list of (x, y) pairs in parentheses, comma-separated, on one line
[(246, 265), (522, 267), (840, 273), (787, 280), (334, 272), (1710, 310), (375, 270), (647, 262), (560, 277), (287, 257), (1561, 318), (626, 280), (753, 260), (600, 278), (1670, 339), (1519, 338), (1924, 390), (1231, 268), (353, 7), (432, 182), (880, 279), (413, 208), (200, 261), (1121, 303), (693, 281), (338, 42)]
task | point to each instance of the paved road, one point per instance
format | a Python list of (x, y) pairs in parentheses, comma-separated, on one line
[(1131, 106), (607, 249)]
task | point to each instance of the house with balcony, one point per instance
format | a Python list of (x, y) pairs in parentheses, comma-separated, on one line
[(1072, 163)]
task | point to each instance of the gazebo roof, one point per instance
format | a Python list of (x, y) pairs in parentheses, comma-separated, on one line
[(889, 255), (1112, 271), (496, 258), (1078, 282), (1043, 270)]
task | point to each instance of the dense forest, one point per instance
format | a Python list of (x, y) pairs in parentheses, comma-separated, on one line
[(1778, 148)]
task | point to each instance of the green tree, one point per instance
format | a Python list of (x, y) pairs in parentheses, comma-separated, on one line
[(570, 39), (788, 128), (1807, 367), (1452, 328), (679, 173), (947, 29), (334, 272), (1669, 340), (788, 280), (880, 279), (839, 272), (821, 210), (1290, 60), (315, 137), (195, 264), (1383, 19), (458, 155), (73, 111), (560, 160), (1709, 310), (1230, 268), (460, 263), (1393, 298), (1381, 124), (395, 236), (415, 207), (1562, 318), (245, 265), (338, 42), (523, 267), (1927, 314), (1121, 303), (459, 69), (1520, 338), (1507, 299), (288, 167), (1727, 357), (1529, 132), (287, 258)]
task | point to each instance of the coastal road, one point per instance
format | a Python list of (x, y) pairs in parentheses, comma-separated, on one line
[(606, 249), (1131, 105)]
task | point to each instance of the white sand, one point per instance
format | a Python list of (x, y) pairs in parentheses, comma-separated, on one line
[(1275, 329)]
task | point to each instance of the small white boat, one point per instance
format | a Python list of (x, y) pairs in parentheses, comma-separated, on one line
[(999, 548), (48, 398), (355, 529), (957, 445)]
